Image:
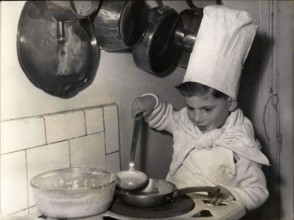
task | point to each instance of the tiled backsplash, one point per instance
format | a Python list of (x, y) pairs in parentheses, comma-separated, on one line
[(86, 137)]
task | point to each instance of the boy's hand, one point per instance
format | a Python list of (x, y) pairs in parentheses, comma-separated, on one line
[(143, 104), (222, 195)]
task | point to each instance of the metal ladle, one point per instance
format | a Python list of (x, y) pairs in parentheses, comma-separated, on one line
[(132, 179)]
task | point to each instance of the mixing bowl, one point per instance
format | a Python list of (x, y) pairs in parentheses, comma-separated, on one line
[(73, 192)]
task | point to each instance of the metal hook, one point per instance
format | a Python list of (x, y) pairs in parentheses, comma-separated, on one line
[(191, 5), (194, 7)]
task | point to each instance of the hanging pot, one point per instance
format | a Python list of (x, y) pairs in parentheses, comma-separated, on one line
[(160, 48), (60, 66), (120, 24), (191, 19)]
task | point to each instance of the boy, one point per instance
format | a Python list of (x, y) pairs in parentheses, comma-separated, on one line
[(214, 142)]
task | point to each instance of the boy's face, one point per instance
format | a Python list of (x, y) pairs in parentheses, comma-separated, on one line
[(207, 112)]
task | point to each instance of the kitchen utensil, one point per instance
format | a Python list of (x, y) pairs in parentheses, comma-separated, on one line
[(160, 48), (167, 191), (191, 19), (120, 24), (73, 192), (132, 179), (60, 67)]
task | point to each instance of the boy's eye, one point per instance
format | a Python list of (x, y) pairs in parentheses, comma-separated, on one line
[(208, 109)]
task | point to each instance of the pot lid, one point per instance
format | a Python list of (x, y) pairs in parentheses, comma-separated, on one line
[(59, 67)]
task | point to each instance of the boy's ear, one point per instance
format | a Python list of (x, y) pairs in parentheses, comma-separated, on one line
[(233, 104)]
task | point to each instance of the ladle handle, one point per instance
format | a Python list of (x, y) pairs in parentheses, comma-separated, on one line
[(136, 130)]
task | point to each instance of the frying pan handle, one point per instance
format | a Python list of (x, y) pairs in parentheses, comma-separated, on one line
[(194, 189)]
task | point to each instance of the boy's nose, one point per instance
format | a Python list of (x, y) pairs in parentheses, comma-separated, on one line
[(198, 117)]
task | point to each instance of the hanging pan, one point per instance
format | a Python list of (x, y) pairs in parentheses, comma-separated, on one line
[(159, 49), (59, 58), (120, 24), (191, 19)]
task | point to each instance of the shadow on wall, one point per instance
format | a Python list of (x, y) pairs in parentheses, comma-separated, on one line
[(156, 152), (144, 144), (254, 67)]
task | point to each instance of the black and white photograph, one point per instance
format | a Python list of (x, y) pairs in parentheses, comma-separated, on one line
[(147, 110)]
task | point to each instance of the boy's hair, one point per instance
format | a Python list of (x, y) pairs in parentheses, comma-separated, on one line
[(189, 89)]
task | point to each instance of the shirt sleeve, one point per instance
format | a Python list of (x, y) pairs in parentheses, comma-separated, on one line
[(251, 191), (162, 118)]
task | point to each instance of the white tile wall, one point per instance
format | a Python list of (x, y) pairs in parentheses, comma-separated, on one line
[(21, 134), (94, 120), (64, 126), (13, 182), (88, 151), (46, 158), (113, 162), (80, 138), (111, 128)]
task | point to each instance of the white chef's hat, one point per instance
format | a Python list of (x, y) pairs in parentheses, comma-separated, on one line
[(222, 45)]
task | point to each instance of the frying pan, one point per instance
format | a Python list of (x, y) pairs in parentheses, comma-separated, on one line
[(61, 67), (191, 19), (120, 24), (157, 52), (158, 192)]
